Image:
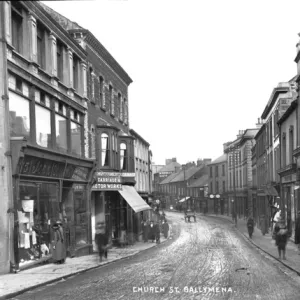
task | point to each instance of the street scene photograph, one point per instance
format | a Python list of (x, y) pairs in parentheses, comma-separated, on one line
[(149, 149)]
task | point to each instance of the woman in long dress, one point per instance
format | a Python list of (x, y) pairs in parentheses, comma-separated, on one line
[(59, 249)]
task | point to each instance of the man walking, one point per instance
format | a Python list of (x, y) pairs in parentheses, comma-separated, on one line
[(101, 240)]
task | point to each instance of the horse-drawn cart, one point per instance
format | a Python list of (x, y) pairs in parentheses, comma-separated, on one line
[(188, 215)]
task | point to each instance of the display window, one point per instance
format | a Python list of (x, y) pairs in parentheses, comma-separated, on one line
[(38, 210)]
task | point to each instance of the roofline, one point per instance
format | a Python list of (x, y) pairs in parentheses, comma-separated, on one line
[(288, 112), (109, 59), (276, 91), (133, 132)]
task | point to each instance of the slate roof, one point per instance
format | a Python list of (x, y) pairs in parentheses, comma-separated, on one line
[(169, 178), (170, 167), (222, 158), (201, 181), (187, 173)]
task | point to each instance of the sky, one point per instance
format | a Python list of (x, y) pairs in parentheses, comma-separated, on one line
[(201, 70)]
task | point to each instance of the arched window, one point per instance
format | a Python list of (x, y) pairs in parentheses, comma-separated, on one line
[(123, 156), (104, 150)]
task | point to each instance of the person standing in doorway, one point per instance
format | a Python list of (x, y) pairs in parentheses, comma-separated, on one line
[(101, 240), (58, 244), (152, 231), (297, 232)]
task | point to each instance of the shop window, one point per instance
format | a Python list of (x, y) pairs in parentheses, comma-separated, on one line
[(61, 133), (17, 24), (59, 58), (123, 156), (43, 126), (19, 116), (76, 138), (41, 46), (38, 209), (80, 218), (104, 150)]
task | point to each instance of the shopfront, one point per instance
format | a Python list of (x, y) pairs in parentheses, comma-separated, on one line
[(49, 187), (118, 205)]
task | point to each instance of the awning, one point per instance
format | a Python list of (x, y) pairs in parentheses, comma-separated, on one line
[(184, 199), (272, 191), (136, 202)]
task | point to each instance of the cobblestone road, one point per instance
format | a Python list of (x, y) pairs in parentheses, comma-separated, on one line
[(208, 259)]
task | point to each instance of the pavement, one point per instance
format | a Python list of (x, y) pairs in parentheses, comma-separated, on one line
[(12, 285), (267, 244)]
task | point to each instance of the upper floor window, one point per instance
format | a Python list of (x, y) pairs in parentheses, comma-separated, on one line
[(211, 172), (217, 171), (223, 170), (291, 144), (91, 84), (102, 101), (123, 156), (125, 111), (17, 26), (41, 45), (19, 115), (112, 101), (104, 150), (75, 72), (224, 189), (120, 107), (59, 59), (283, 150)]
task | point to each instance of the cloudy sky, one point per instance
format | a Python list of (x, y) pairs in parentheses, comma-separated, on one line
[(201, 70)]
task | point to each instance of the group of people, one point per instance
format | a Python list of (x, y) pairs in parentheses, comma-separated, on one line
[(152, 231)]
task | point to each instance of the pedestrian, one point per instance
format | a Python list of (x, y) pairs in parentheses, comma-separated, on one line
[(250, 226), (165, 227), (263, 224), (58, 244), (145, 227), (152, 231), (281, 237), (297, 232), (101, 240), (234, 218), (157, 233)]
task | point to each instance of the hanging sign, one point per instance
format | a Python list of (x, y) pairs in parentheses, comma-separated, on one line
[(107, 181)]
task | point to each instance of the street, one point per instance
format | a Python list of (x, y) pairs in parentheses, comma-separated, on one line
[(208, 259)]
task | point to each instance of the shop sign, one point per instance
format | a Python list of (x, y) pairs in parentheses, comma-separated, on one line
[(37, 166), (107, 181), (107, 187), (125, 174), (76, 173)]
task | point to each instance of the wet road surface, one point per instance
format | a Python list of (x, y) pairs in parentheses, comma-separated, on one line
[(208, 259)]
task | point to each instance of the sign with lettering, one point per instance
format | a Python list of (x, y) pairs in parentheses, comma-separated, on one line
[(107, 181), (125, 174), (37, 166), (76, 173), (107, 187)]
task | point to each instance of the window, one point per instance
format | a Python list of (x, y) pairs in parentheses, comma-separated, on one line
[(211, 188), (17, 21), (240, 178), (92, 87), (19, 115), (120, 107), (43, 126), (223, 170), (283, 150), (217, 171), (123, 156), (102, 99), (59, 56), (211, 172), (276, 128), (104, 150), (112, 101), (76, 143), (224, 189), (291, 144), (75, 72), (61, 133), (40, 46), (217, 187), (125, 111)]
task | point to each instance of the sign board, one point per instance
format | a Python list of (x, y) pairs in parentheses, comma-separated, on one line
[(125, 174), (107, 181)]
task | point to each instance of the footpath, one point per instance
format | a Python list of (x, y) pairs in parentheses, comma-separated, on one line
[(267, 244), (12, 285)]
